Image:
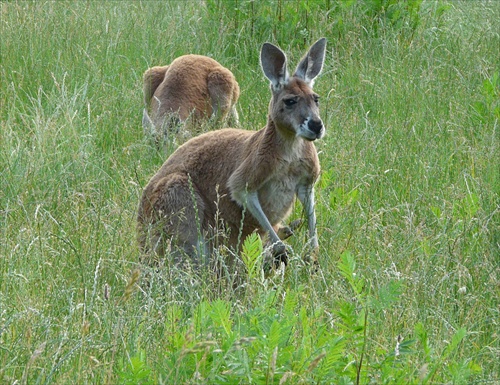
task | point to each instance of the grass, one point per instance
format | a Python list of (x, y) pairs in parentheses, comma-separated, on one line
[(408, 203)]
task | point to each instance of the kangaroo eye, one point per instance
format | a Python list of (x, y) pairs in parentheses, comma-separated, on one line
[(316, 99), (289, 102)]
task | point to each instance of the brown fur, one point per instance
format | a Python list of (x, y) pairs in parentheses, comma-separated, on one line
[(192, 86), (231, 174)]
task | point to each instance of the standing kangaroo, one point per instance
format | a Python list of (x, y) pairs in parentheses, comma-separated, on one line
[(192, 86), (245, 179)]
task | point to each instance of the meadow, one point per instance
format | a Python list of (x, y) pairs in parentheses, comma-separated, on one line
[(408, 204)]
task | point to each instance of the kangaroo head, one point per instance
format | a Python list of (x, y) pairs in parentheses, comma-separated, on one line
[(294, 106)]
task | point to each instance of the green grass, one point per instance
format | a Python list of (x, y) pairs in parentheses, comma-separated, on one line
[(408, 203)]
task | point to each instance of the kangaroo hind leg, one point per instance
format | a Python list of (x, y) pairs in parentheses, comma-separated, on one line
[(180, 209), (221, 88), (152, 78)]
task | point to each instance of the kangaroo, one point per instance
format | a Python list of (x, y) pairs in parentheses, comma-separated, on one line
[(248, 180), (192, 86)]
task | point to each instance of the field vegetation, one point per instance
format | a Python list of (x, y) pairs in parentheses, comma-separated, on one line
[(407, 289)]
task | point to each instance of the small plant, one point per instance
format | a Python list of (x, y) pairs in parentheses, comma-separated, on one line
[(489, 106), (252, 256), (135, 371), (399, 14)]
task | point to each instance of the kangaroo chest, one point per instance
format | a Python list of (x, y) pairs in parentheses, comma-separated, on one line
[(277, 194)]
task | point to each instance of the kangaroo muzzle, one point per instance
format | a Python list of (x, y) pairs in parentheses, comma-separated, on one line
[(316, 126)]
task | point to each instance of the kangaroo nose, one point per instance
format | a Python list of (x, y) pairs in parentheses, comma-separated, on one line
[(315, 125)]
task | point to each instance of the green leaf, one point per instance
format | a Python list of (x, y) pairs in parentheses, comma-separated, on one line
[(388, 294), (273, 337), (220, 313), (252, 254), (290, 303), (421, 335), (455, 341), (347, 265), (137, 371), (336, 352)]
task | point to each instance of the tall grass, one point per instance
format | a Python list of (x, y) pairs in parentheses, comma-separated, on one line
[(408, 202)]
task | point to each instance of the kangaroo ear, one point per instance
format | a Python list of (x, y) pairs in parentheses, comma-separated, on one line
[(273, 63), (312, 63)]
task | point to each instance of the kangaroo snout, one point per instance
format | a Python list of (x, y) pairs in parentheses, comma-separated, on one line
[(316, 126), (311, 129)]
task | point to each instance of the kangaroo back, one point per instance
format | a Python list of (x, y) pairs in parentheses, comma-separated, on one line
[(192, 87)]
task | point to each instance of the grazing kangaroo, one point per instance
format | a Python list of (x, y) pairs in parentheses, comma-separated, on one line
[(192, 86), (245, 179)]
